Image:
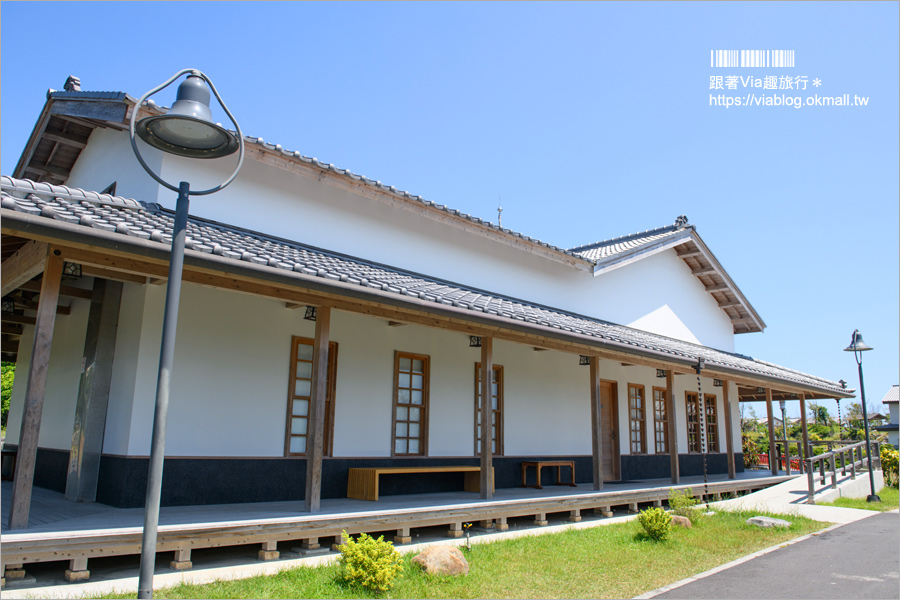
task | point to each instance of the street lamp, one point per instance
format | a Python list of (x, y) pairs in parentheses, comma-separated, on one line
[(787, 452), (186, 130), (857, 347)]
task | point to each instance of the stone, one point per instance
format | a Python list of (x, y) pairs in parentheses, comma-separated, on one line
[(73, 576), (767, 522), (442, 560), (682, 521)]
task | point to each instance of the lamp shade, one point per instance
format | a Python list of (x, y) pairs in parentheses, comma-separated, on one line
[(187, 129), (857, 344)]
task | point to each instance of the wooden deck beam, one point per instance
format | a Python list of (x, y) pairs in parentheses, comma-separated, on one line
[(27, 263)]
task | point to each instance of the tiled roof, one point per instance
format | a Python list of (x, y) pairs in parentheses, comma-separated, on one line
[(599, 251), (150, 222), (893, 395)]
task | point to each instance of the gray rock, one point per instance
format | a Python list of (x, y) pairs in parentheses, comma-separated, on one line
[(767, 522), (442, 560)]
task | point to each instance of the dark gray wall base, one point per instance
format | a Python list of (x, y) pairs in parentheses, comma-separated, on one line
[(50, 468), (192, 481)]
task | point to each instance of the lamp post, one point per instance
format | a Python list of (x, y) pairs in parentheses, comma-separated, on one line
[(787, 452), (857, 347), (186, 130)]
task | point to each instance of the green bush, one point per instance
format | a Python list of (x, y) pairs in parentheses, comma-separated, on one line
[(683, 502), (656, 522), (889, 467), (369, 563), (748, 447)]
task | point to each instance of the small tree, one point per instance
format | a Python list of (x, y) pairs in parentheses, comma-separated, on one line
[(8, 374)]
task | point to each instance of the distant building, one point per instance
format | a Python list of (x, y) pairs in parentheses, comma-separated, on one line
[(892, 401)]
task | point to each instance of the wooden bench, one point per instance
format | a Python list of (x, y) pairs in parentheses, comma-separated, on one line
[(539, 464), (362, 483)]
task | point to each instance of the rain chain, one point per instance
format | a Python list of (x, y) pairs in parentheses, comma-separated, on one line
[(701, 423)]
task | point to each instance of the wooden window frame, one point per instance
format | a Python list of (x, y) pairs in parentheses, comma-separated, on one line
[(637, 424), (660, 421), (296, 341), (498, 413), (712, 422), (423, 421), (691, 399)]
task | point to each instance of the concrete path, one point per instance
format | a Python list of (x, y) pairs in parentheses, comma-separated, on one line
[(860, 559)]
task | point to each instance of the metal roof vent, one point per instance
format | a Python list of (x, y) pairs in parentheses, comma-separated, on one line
[(681, 221), (73, 84)]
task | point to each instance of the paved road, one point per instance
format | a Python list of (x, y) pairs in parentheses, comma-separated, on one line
[(857, 560)]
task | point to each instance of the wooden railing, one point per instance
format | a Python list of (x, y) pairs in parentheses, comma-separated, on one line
[(783, 451), (851, 457)]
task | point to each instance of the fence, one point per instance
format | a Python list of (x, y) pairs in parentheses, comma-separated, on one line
[(851, 456)]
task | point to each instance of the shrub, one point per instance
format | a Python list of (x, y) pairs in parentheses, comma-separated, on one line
[(369, 563), (889, 467), (683, 502), (751, 456), (656, 522)]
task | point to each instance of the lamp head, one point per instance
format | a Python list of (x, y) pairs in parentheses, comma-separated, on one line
[(857, 344), (781, 404), (187, 129)]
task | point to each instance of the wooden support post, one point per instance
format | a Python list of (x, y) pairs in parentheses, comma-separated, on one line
[(729, 431), (540, 520), (604, 511), (501, 524), (315, 439), (93, 392), (309, 547), (182, 561), (633, 508), (20, 501), (77, 570), (269, 551), (596, 425), (673, 430), (773, 464), (804, 449), (487, 379), (456, 530), (574, 516), (337, 543), (658, 503), (403, 536)]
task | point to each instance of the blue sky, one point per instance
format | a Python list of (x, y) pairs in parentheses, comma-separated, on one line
[(587, 120)]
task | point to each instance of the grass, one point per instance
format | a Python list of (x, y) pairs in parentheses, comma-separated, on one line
[(613, 561), (890, 499)]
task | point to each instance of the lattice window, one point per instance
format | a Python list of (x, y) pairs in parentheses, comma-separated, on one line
[(637, 414), (712, 425), (692, 404), (300, 394), (410, 404), (496, 410), (660, 421)]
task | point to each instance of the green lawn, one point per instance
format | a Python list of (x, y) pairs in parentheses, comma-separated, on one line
[(888, 495), (613, 561)]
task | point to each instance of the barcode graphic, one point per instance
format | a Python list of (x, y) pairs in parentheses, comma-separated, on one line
[(751, 58)]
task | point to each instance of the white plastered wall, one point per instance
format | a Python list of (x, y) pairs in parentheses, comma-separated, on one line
[(63, 376), (656, 294)]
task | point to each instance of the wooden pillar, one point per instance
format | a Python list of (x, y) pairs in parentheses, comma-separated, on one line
[(93, 392), (315, 434), (20, 501), (487, 378), (773, 465), (596, 425), (804, 451), (729, 431), (673, 430)]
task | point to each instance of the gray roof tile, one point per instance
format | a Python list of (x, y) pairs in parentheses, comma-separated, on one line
[(99, 211)]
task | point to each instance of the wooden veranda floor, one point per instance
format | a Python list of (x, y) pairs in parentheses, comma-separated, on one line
[(62, 530)]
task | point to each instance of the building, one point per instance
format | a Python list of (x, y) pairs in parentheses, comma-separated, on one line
[(891, 400), (595, 350)]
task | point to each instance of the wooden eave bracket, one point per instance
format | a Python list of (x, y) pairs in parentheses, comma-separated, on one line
[(23, 266)]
